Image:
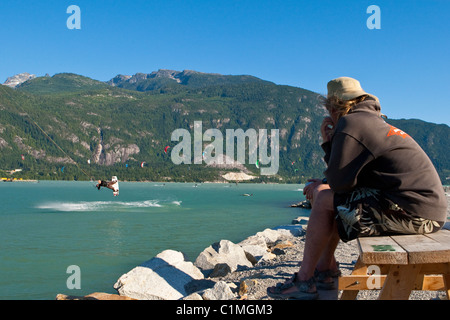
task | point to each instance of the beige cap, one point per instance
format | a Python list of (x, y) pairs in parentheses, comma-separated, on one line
[(346, 88)]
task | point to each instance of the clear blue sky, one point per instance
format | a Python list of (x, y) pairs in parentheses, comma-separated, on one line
[(299, 43)]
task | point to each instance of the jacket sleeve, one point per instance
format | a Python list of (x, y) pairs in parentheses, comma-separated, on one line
[(326, 146), (346, 158)]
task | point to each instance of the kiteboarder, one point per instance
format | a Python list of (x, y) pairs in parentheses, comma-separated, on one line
[(113, 185), (106, 184)]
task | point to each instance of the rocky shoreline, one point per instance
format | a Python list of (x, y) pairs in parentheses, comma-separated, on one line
[(229, 271)]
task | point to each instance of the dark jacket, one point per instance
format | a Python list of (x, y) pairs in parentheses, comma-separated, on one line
[(365, 151)]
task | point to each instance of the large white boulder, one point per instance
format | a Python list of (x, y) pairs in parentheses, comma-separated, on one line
[(161, 278), (256, 249), (224, 251)]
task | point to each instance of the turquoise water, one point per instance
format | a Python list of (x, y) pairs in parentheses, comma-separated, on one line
[(48, 226)]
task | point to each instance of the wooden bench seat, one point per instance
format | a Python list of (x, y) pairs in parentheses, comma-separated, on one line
[(399, 264)]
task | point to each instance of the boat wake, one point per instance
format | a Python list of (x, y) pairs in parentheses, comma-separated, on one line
[(81, 206)]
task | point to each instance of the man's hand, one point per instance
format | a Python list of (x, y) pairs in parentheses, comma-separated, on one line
[(327, 129), (308, 190)]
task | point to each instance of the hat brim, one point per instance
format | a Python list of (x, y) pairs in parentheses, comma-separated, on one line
[(349, 95)]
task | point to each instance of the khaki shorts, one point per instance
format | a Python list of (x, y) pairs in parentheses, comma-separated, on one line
[(365, 212)]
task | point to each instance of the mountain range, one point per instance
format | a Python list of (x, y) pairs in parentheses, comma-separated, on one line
[(69, 126)]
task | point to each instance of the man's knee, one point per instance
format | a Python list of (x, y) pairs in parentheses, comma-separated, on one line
[(323, 197)]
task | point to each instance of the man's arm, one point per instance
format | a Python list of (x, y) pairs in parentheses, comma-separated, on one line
[(346, 157)]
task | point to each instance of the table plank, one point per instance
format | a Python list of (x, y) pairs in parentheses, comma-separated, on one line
[(360, 282), (369, 255), (430, 248), (443, 237)]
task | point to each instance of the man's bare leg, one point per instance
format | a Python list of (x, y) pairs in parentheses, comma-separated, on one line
[(321, 237)]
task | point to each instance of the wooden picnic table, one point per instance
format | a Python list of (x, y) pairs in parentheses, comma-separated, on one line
[(399, 264)]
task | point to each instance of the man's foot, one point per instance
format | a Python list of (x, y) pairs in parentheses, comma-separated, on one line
[(324, 279), (294, 289)]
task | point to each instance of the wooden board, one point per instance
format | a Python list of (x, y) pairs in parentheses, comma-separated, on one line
[(369, 255), (360, 282), (430, 248), (399, 282), (404, 249)]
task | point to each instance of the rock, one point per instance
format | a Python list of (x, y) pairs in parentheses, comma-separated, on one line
[(18, 79), (246, 286), (119, 79), (237, 176), (290, 231), (193, 296), (161, 278), (255, 248), (282, 244), (271, 236), (199, 285), (302, 204), (225, 162), (3, 143), (224, 251), (300, 220), (279, 246), (278, 251), (220, 270), (220, 291), (267, 257), (93, 296), (243, 288), (117, 153)]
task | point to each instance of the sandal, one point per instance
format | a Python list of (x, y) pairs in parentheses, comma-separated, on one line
[(322, 276), (302, 293), (337, 273), (333, 273)]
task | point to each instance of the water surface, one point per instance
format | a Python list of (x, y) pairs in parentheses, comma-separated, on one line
[(47, 226)]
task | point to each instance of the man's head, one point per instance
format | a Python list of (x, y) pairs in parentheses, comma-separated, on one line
[(346, 88), (343, 94)]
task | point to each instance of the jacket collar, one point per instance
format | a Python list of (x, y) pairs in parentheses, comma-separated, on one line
[(369, 105)]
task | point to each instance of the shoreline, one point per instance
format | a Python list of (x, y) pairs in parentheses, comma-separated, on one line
[(445, 187)]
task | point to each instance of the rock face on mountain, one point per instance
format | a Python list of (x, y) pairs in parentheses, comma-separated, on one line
[(121, 79), (163, 77), (18, 79)]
